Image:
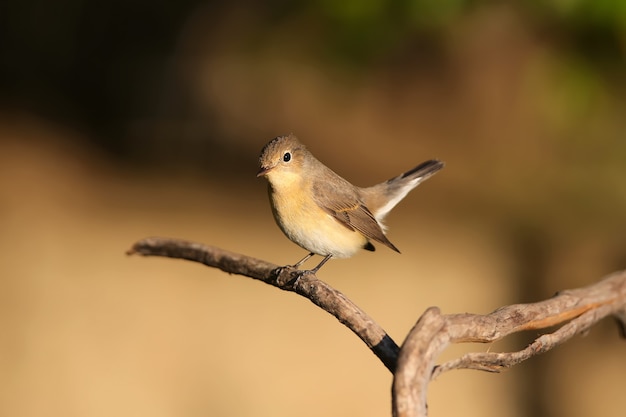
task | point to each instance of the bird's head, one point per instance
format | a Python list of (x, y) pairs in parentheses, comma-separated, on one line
[(282, 159)]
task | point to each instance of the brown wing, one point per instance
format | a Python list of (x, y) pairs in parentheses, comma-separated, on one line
[(346, 207)]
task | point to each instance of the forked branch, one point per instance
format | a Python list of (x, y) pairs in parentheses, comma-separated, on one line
[(414, 365), (575, 310)]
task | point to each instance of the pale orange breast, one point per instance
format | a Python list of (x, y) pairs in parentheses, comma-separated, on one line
[(307, 225)]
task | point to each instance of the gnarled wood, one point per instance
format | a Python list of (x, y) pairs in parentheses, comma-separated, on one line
[(414, 365)]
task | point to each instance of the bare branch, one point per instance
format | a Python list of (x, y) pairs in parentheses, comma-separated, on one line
[(579, 309), (309, 286), (414, 364)]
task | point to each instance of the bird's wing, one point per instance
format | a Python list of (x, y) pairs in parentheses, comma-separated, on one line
[(347, 208)]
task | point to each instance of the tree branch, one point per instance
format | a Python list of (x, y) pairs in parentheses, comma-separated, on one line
[(309, 286), (414, 364), (579, 309)]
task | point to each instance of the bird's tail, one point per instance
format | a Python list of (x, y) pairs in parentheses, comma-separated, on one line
[(381, 198)]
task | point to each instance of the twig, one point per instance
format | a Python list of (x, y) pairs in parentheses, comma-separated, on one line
[(433, 333), (318, 292)]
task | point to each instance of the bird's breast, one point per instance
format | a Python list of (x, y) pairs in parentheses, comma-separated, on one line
[(305, 223)]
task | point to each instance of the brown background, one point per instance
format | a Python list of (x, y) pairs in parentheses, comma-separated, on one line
[(164, 142)]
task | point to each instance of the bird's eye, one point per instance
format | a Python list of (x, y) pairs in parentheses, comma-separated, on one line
[(287, 157)]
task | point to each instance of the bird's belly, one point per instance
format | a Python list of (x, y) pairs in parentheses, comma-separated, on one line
[(307, 225)]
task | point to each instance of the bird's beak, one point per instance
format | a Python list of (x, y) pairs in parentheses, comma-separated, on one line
[(263, 171)]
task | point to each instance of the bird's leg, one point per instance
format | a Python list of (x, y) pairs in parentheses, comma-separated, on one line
[(303, 260), (300, 274), (314, 270), (296, 266), (309, 271)]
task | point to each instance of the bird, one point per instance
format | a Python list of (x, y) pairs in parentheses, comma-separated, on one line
[(324, 213)]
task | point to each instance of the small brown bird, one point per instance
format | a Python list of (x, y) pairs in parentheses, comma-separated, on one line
[(322, 212)]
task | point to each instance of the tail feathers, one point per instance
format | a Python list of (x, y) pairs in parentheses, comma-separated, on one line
[(383, 197), (422, 171)]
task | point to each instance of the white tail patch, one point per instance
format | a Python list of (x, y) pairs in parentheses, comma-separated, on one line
[(400, 193)]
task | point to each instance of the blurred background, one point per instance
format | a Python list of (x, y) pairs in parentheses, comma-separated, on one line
[(121, 120)]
